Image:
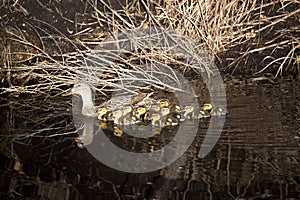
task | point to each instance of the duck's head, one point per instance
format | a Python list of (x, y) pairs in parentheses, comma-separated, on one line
[(81, 88)]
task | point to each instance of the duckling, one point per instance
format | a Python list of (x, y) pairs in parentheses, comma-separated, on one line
[(117, 114), (153, 109), (189, 112), (203, 114), (103, 125), (118, 131), (102, 112), (158, 119), (207, 107), (177, 108), (173, 119), (206, 112), (156, 131), (140, 113), (128, 117), (155, 119), (218, 112), (164, 113)]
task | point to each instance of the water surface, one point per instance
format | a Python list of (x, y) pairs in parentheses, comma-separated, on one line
[(257, 155)]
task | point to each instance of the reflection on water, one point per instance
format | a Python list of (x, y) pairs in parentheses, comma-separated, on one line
[(256, 156)]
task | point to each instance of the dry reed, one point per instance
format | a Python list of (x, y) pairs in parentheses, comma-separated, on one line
[(38, 56)]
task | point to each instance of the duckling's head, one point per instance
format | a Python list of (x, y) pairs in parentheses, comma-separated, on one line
[(127, 109), (164, 103), (189, 109), (141, 110), (102, 112), (165, 111), (207, 107), (155, 117), (155, 107), (117, 113)]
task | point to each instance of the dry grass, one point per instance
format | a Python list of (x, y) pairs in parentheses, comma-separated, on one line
[(241, 30), (39, 56)]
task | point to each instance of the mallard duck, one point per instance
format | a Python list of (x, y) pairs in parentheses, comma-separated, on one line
[(90, 110), (117, 102), (126, 110)]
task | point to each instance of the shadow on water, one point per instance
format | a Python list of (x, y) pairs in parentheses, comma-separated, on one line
[(257, 155)]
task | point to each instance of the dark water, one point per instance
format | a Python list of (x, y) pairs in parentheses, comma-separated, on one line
[(256, 157)]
